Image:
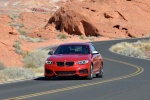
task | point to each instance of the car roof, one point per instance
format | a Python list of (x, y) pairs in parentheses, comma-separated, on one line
[(77, 43)]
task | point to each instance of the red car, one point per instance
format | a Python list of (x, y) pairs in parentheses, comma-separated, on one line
[(74, 59)]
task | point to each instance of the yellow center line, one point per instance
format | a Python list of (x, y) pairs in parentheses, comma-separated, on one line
[(137, 72)]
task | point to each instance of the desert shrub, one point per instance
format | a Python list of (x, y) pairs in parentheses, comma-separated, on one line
[(92, 38), (11, 24), (1, 66), (147, 47), (17, 46), (116, 48), (148, 41), (22, 32), (3, 77), (138, 43), (133, 52), (136, 49), (142, 45), (19, 25), (62, 36), (126, 44), (39, 70), (25, 53), (35, 59), (35, 40), (19, 51), (30, 65), (29, 39), (81, 37), (17, 73), (14, 16), (134, 37)]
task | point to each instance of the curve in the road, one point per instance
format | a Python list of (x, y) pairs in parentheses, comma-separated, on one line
[(138, 71)]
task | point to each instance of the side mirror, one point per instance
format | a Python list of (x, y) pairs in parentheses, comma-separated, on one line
[(95, 52), (51, 53)]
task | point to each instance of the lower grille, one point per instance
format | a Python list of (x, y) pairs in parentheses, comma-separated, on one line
[(65, 72)]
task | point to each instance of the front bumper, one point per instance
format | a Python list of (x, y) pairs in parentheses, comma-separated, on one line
[(76, 70)]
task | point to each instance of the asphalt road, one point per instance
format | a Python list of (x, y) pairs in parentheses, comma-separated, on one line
[(124, 78)]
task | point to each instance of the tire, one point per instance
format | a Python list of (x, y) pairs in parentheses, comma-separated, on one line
[(100, 74), (90, 76), (48, 78)]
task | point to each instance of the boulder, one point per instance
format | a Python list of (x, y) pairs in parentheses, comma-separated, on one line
[(108, 18)]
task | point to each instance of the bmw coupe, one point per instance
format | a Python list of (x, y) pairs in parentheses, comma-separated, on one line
[(74, 59)]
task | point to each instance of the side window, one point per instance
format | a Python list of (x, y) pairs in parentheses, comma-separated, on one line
[(92, 48)]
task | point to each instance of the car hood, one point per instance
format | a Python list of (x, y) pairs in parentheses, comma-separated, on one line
[(74, 57)]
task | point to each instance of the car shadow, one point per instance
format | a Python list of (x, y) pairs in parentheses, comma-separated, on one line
[(60, 78)]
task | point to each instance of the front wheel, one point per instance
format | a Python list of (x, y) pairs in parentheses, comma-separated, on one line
[(100, 74), (90, 76)]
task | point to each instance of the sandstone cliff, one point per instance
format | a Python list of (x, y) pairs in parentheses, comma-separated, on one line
[(108, 18)]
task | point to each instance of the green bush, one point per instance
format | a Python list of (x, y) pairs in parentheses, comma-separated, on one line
[(35, 59)]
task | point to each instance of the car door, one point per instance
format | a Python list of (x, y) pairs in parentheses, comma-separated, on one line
[(96, 59)]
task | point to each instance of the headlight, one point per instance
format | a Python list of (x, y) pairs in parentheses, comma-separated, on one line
[(49, 62), (83, 62)]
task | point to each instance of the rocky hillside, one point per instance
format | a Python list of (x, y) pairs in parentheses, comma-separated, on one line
[(30, 24), (17, 18), (108, 18)]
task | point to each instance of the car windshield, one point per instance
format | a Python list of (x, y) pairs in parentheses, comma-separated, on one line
[(72, 49)]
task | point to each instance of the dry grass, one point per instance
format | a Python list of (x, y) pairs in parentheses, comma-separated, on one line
[(29, 39), (118, 47), (10, 74), (62, 36), (137, 49), (2, 66), (33, 67), (35, 59), (38, 71), (17, 46), (3, 77)]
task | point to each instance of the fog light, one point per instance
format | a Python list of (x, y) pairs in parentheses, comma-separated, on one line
[(48, 71), (85, 71)]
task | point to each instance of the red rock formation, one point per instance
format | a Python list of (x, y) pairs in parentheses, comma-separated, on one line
[(109, 18)]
